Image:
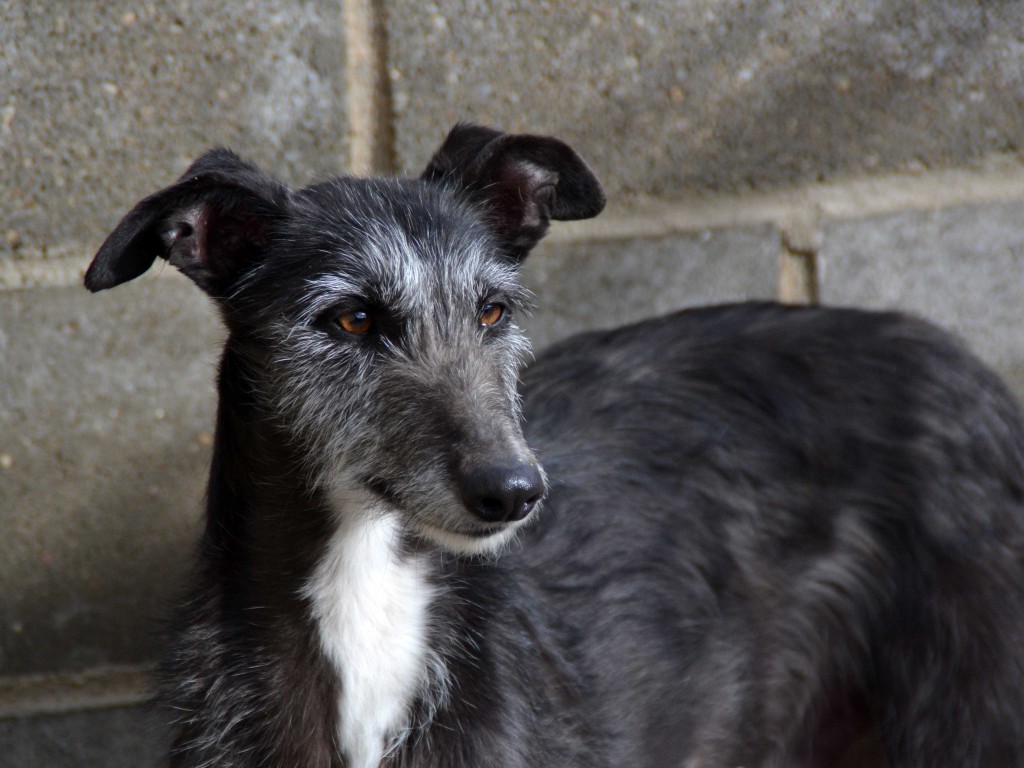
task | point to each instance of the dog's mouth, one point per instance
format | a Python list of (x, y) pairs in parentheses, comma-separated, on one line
[(467, 537), (468, 541), (384, 489)]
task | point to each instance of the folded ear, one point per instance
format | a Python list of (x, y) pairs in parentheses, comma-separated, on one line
[(523, 181), (212, 224)]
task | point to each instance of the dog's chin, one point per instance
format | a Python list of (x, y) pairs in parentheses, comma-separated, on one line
[(485, 542)]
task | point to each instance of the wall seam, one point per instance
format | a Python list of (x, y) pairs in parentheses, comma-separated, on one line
[(1000, 179), (371, 132), (61, 692)]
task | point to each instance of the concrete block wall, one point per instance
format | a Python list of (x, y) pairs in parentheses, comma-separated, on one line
[(856, 152)]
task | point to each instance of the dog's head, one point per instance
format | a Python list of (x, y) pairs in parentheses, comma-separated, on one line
[(375, 319)]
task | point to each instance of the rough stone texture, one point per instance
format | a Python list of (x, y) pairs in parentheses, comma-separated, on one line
[(665, 97), (106, 410), (101, 102), (106, 402), (961, 267), (111, 738), (600, 285)]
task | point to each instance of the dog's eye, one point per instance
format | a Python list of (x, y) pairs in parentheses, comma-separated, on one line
[(491, 315), (357, 322)]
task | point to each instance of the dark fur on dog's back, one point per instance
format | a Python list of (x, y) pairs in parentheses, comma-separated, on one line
[(770, 534), (825, 516)]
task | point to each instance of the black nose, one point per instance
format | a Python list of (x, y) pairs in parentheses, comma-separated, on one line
[(502, 494)]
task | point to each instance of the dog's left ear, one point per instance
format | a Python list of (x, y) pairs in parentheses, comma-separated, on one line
[(523, 181)]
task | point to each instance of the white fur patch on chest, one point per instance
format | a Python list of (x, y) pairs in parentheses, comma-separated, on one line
[(372, 610)]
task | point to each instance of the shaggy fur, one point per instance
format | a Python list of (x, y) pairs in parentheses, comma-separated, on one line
[(769, 536)]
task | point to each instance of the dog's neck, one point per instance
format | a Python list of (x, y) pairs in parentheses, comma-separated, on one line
[(331, 561), (371, 603)]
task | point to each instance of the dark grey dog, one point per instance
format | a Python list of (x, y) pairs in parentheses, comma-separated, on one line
[(769, 536)]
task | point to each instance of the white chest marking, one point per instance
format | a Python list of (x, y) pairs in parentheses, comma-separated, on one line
[(372, 611)]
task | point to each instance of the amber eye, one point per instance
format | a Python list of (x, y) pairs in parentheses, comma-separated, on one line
[(357, 323), (491, 314)]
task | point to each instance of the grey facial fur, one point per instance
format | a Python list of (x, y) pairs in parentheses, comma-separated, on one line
[(374, 411)]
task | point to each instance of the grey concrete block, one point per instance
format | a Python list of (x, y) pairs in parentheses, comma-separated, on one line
[(103, 102), (112, 738), (665, 96), (106, 414), (962, 267), (599, 285)]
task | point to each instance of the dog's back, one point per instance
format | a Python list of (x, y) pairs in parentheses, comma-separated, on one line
[(795, 526)]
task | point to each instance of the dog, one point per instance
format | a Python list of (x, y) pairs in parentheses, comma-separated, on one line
[(745, 535)]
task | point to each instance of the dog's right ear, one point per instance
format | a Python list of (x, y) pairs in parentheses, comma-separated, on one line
[(211, 224)]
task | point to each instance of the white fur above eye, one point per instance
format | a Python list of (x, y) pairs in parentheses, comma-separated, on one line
[(372, 609)]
